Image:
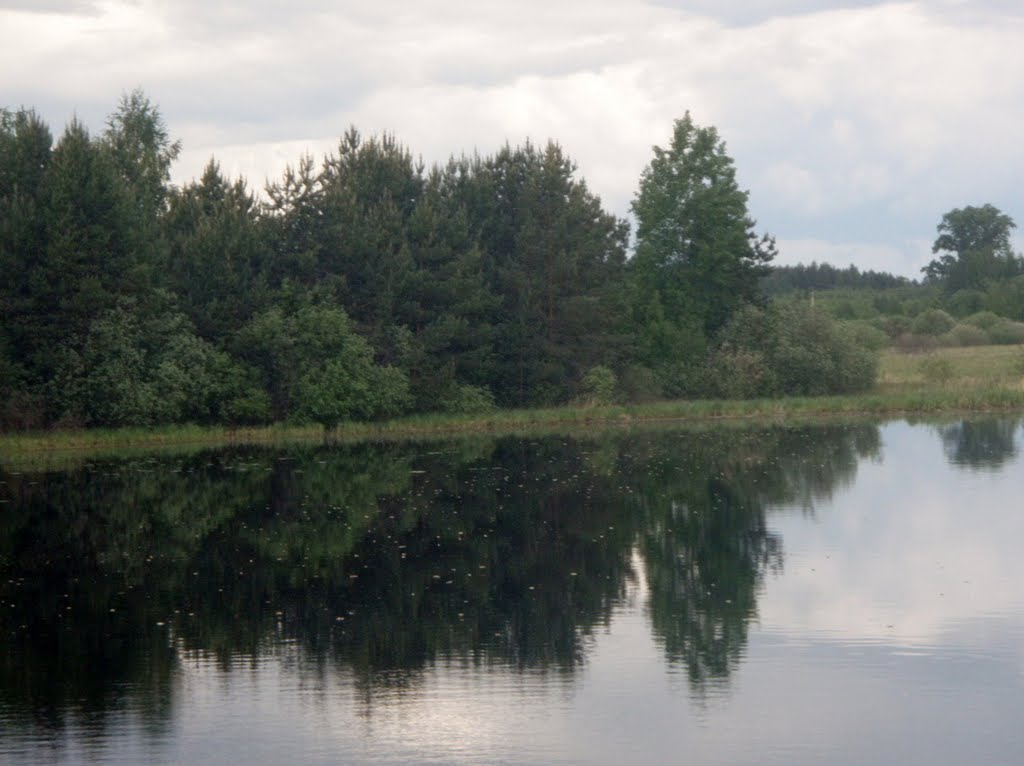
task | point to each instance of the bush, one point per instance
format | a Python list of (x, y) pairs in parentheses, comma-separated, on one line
[(815, 356), (910, 343), (893, 326), (867, 335), (251, 407), (1007, 333), (932, 322), (598, 386), (965, 335), (791, 349), (936, 369), (464, 399), (741, 374), (983, 320), (639, 384), (351, 389)]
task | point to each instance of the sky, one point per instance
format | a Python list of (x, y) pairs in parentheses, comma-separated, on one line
[(855, 125)]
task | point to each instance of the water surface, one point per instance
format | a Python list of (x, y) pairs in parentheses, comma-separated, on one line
[(838, 593)]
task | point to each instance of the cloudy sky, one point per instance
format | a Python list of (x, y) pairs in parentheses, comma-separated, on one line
[(854, 124)]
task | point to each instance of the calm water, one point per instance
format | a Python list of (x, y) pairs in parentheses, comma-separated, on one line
[(832, 594)]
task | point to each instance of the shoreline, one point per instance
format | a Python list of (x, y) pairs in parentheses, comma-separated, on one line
[(926, 401)]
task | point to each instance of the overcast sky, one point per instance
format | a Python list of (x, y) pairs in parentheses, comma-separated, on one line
[(854, 124)]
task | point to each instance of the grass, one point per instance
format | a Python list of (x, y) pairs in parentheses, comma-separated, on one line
[(972, 367), (980, 378)]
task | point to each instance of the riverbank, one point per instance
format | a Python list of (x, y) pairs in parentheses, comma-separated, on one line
[(959, 380)]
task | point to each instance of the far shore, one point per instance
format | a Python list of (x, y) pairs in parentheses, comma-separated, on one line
[(896, 403)]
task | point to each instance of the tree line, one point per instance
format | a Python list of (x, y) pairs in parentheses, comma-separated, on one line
[(368, 285), (825, 276)]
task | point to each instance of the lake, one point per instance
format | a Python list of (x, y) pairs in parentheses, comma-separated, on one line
[(835, 593)]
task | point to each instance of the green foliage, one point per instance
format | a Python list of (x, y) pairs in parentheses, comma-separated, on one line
[(696, 247), (369, 285), (674, 352), (868, 335), (639, 384), (965, 335), (936, 369), (315, 366), (1006, 298), (782, 280), (741, 373), (1007, 333), (350, 388), (598, 386), (143, 369), (556, 259), (983, 320), (965, 302), (893, 326), (976, 249), (932, 322), (217, 254), (790, 349), (464, 399)]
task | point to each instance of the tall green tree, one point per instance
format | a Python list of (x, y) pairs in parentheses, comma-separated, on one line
[(370, 190), (696, 246), (446, 304), (217, 253), (974, 249), (142, 151), (88, 259), (25, 149), (557, 260)]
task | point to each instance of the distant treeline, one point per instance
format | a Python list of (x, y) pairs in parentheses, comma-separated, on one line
[(368, 285), (824, 276)]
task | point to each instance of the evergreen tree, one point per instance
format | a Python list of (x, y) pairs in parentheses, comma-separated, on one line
[(218, 256), (556, 258), (446, 304), (25, 147)]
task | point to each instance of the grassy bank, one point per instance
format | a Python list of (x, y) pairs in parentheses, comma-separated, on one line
[(969, 380)]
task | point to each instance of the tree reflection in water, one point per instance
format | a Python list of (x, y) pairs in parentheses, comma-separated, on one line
[(985, 443), (384, 559)]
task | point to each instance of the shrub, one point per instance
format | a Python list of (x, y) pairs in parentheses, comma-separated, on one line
[(815, 356), (251, 407), (598, 386), (1007, 333), (936, 369), (965, 335), (791, 349), (932, 322), (464, 399), (740, 374), (639, 384), (893, 326), (983, 320), (351, 389), (910, 343), (867, 335)]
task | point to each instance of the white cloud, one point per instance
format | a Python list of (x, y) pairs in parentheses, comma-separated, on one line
[(843, 117)]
